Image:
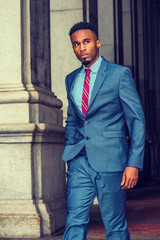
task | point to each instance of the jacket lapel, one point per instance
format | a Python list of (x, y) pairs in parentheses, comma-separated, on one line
[(101, 75), (71, 89)]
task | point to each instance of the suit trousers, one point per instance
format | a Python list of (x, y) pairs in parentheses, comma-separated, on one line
[(83, 185)]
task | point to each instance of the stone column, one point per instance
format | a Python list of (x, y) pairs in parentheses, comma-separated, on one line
[(127, 34), (106, 28), (32, 174), (63, 61)]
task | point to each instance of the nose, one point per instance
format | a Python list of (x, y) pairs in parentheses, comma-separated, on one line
[(82, 47)]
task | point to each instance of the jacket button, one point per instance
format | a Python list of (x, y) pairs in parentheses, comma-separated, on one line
[(86, 122), (87, 138)]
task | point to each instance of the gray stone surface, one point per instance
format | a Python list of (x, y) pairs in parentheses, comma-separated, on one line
[(106, 28), (63, 14), (32, 174)]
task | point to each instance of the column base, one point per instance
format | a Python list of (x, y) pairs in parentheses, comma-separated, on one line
[(32, 176), (29, 220)]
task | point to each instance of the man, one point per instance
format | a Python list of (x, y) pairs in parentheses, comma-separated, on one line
[(102, 100)]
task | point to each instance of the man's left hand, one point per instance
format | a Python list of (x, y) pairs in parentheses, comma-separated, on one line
[(130, 177)]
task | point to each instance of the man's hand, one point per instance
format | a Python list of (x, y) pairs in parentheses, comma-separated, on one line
[(130, 177)]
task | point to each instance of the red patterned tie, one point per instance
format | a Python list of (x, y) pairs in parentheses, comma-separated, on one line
[(85, 94)]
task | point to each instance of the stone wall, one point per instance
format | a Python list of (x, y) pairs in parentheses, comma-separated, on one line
[(32, 174)]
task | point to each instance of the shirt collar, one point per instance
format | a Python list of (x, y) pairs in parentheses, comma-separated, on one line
[(95, 67)]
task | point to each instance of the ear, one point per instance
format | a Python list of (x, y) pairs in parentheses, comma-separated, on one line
[(98, 43)]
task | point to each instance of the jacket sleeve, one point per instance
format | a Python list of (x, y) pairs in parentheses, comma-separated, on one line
[(70, 121), (134, 116)]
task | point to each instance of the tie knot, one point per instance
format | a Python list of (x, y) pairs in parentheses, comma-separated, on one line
[(88, 71)]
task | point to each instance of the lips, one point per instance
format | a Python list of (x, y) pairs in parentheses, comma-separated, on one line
[(84, 55)]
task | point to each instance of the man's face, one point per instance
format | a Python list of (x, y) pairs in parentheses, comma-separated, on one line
[(85, 46)]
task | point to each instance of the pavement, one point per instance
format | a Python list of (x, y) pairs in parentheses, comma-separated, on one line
[(143, 216)]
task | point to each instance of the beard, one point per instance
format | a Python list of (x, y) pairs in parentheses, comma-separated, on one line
[(85, 62)]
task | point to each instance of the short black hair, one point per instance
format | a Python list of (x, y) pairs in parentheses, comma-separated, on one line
[(83, 25)]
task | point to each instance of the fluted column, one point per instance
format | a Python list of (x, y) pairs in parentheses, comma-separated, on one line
[(32, 174)]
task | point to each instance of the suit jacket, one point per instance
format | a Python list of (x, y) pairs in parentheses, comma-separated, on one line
[(114, 104)]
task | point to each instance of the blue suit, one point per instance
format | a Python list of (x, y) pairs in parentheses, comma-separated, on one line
[(114, 104)]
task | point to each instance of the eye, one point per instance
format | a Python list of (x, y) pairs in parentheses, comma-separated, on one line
[(87, 41), (75, 44)]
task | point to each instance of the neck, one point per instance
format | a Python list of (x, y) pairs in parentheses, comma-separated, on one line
[(88, 64)]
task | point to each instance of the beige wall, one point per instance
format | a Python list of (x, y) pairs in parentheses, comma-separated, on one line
[(10, 39), (63, 14), (106, 29)]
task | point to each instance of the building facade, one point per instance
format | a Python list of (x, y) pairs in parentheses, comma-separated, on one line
[(36, 55)]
